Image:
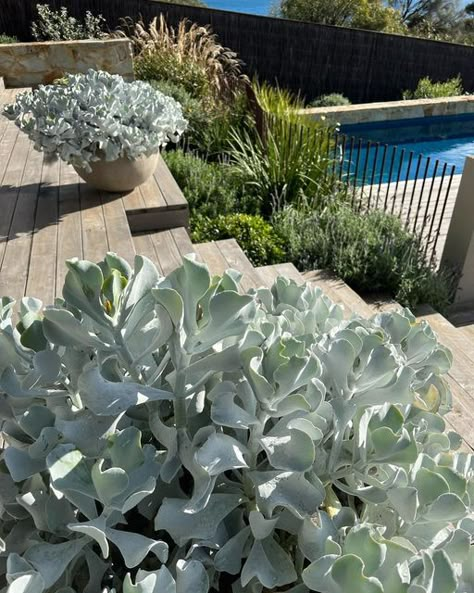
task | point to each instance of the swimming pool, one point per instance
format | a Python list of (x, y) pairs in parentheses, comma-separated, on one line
[(441, 140)]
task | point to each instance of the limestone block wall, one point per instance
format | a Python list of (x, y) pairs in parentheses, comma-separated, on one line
[(393, 110), (30, 64)]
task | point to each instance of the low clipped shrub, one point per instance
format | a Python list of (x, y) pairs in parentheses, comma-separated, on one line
[(427, 89), (4, 39), (170, 434), (262, 245), (210, 188), (59, 25), (371, 251), (331, 100)]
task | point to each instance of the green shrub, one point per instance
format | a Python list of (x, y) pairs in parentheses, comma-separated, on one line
[(210, 122), (194, 110), (331, 100), (370, 251), (262, 245), (4, 39), (427, 89), (59, 25), (210, 188)]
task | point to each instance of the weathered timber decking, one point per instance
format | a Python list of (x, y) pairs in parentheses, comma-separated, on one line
[(48, 214)]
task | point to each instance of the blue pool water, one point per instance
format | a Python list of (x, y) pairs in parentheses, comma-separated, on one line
[(250, 6), (444, 139)]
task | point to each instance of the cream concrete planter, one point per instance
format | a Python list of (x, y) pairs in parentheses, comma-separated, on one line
[(121, 175)]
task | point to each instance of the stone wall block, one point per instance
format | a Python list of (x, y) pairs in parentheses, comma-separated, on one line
[(30, 64)]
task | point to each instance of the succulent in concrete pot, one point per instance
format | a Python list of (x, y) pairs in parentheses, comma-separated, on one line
[(110, 130), (172, 435)]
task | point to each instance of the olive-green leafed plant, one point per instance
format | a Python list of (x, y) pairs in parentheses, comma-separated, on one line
[(427, 89), (170, 434), (59, 25)]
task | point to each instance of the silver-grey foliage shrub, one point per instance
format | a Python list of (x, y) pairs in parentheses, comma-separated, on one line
[(59, 25), (97, 115), (171, 435)]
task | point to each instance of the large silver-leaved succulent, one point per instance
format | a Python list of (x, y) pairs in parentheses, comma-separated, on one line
[(87, 117), (172, 435)]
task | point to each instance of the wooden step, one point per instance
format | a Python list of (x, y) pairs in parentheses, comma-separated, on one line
[(460, 376), (461, 314), (222, 255), (381, 303), (158, 204), (339, 292), (165, 248), (270, 273)]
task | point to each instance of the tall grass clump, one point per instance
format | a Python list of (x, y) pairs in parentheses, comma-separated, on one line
[(188, 54), (287, 158)]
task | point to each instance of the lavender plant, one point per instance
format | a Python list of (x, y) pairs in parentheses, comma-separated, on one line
[(169, 434)]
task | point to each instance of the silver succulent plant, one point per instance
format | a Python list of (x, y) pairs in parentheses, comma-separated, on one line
[(171, 435), (87, 117)]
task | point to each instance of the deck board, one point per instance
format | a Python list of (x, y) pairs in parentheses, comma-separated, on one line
[(70, 227), (49, 215), (43, 258), (15, 265)]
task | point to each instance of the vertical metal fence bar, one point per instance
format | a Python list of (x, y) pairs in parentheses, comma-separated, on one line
[(438, 198), (356, 172), (382, 173), (428, 201), (364, 174), (400, 166), (392, 162), (443, 211), (351, 150), (402, 203), (374, 169), (420, 200), (417, 171), (342, 157), (334, 157)]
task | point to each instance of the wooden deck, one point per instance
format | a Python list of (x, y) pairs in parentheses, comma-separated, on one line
[(48, 214)]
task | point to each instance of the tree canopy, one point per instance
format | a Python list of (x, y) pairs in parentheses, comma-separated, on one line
[(435, 19)]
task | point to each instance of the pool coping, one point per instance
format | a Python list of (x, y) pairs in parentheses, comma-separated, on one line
[(392, 110)]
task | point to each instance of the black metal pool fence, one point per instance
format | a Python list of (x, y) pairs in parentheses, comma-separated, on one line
[(415, 188)]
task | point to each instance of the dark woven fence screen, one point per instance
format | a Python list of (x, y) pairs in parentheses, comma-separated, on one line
[(313, 59)]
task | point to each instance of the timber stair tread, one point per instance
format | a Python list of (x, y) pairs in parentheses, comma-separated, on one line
[(337, 290)]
